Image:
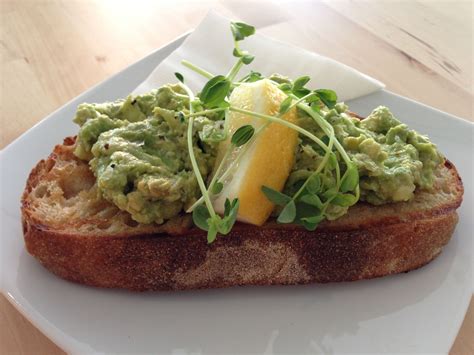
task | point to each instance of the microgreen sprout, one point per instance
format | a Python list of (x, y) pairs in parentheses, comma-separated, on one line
[(322, 188), (204, 215), (179, 76), (242, 135), (215, 91), (240, 31), (251, 77)]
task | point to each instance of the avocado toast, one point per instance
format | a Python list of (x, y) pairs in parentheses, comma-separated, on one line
[(357, 198)]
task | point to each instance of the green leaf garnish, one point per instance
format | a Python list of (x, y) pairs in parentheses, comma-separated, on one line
[(312, 200), (325, 139), (305, 210), (275, 196), (309, 226), (316, 106), (330, 193), (247, 58), (344, 200), (285, 105), (350, 180), (251, 77), (285, 87), (299, 83), (180, 116), (230, 216), (288, 214), (313, 185), (242, 135), (215, 91), (241, 30), (237, 52), (301, 92), (212, 231), (216, 224), (332, 162), (298, 88), (328, 97), (201, 216), (179, 76), (312, 98), (217, 187), (311, 223)]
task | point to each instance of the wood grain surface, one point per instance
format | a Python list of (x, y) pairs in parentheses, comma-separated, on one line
[(51, 51)]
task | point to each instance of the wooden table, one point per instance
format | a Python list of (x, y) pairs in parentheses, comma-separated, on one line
[(53, 51)]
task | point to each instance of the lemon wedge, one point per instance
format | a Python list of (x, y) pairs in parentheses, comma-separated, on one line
[(268, 158)]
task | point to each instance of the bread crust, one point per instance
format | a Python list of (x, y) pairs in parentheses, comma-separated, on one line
[(369, 242)]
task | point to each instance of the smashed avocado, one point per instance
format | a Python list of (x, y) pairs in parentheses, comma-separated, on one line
[(392, 159), (138, 152)]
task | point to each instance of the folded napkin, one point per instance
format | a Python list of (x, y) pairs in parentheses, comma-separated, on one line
[(210, 47)]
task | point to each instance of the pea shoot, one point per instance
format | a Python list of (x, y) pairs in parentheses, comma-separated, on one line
[(333, 184)]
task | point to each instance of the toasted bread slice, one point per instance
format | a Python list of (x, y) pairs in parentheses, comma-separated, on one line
[(79, 236)]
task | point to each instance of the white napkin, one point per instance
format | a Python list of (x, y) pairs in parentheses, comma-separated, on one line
[(210, 47)]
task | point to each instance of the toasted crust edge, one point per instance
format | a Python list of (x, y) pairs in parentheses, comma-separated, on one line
[(263, 257)]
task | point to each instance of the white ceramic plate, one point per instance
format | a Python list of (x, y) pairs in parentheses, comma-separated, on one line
[(410, 313)]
